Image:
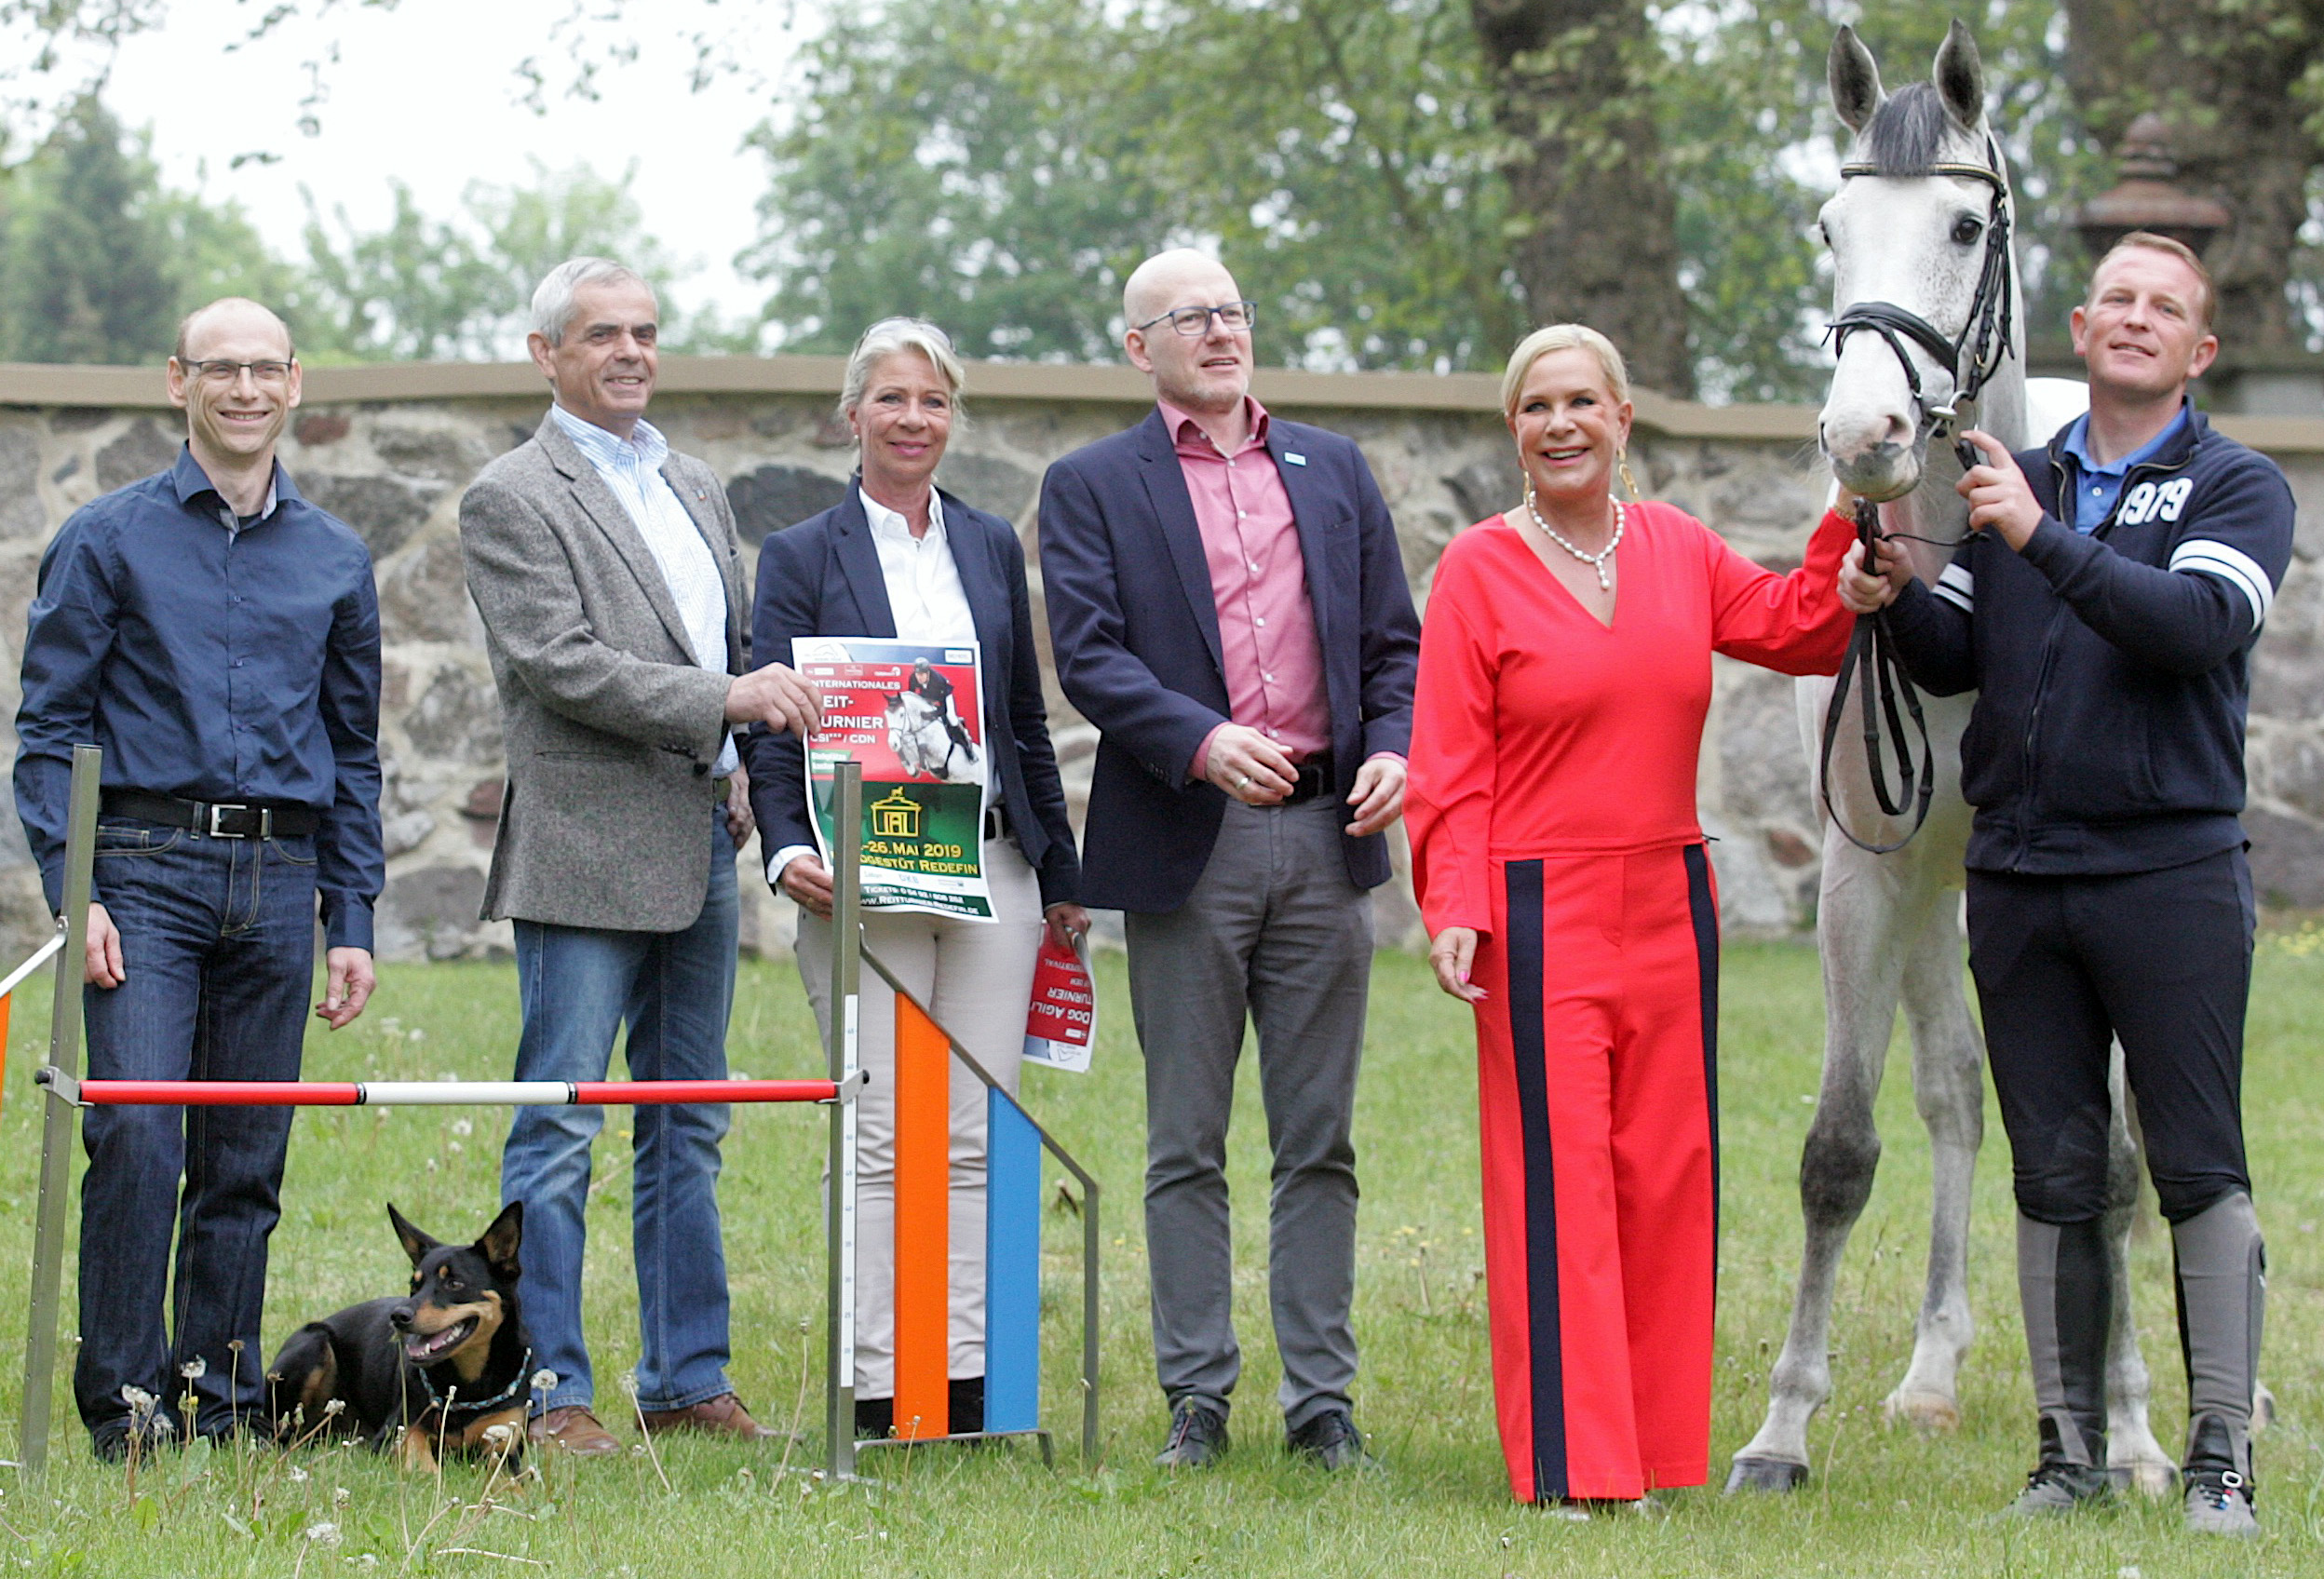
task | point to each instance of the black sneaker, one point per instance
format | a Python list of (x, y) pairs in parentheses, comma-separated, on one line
[(1197, 1437), (2056, 1488), (1331, 1438)]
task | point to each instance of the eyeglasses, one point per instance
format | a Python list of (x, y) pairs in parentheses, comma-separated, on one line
[(225, 372), (1235, 317)]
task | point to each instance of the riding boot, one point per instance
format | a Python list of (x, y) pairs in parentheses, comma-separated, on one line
[(2222, 1268), (2064, 1285)]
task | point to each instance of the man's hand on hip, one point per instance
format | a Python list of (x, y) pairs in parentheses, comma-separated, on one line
[(349, 983), (1998, 494), (1379, 794), (1249, 766), (103, 968), (777, 697)]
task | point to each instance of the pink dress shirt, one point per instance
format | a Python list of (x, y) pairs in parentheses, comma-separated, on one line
[(1267, 640)]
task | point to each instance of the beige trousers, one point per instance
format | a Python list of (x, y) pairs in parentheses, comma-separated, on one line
[(976, 976)]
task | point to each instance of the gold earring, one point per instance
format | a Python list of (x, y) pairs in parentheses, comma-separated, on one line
[(1622, 465)]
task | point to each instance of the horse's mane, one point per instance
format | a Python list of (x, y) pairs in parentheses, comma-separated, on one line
[(1908, 134)]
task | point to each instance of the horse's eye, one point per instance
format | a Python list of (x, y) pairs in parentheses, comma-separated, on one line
[(1824, 231), (1965, 230)]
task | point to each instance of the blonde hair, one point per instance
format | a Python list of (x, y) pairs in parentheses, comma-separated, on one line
[(887, 337), (1561, 337)]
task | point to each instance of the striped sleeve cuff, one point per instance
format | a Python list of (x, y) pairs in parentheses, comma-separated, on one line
[(1958, 588), (2232, 565)]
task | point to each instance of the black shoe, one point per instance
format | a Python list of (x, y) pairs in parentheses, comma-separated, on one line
[(1331, 1438), (2057, 1487), (875, 1419), (109, 1440), (965, 1408), (1197, 1437)]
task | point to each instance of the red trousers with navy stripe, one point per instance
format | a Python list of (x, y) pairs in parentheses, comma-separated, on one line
[(1597, 1052)]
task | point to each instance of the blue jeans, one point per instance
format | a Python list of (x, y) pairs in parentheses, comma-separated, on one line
[(218, 941), (673, 989)]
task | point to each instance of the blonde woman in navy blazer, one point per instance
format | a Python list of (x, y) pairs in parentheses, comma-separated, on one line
[(900, 557)]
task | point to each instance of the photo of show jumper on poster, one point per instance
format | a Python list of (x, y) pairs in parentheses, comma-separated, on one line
[(914, 716)]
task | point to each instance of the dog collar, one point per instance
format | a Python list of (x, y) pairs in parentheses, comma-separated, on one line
[(456, 1405)]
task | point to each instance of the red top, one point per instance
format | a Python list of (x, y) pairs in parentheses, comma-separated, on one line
[(1267, 642), (1537, 731)]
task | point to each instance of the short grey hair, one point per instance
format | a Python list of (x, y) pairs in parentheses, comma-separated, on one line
[(552, 299), (886, 338)]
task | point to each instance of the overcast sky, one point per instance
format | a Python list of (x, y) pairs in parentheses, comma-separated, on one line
[(427, 93)]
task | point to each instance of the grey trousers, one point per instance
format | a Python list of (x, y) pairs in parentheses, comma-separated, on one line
[(1276, 932)]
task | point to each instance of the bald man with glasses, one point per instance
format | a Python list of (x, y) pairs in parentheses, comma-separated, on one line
[(1227, 604)]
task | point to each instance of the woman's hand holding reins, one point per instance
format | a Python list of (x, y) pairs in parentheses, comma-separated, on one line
[(1869, 591), (1452, 955)]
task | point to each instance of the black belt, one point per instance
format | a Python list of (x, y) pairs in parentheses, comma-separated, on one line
[(220, 819), (1313, 782)]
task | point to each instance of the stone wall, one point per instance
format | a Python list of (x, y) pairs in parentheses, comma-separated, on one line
[(390, 449)]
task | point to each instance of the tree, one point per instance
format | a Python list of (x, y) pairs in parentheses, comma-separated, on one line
[(422, 287), (2238, 81), (88, 274), (1596, 236), (1000, 166)]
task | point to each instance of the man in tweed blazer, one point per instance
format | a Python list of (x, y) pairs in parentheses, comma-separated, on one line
[(606, 569)]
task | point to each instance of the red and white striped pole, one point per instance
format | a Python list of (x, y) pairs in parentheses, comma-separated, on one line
[(441, 1093)]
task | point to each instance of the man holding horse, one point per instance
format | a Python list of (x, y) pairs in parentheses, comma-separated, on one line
[(2104, 610)]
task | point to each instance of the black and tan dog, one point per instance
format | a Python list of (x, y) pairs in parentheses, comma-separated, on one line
[(438, 1368)]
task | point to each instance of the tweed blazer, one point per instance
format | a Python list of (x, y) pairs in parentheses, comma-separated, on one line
[(612, 726)]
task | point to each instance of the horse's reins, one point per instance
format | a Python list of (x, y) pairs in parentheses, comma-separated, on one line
[(1971, 358)]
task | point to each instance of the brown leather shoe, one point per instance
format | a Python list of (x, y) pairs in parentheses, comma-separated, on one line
[(721, 1416), (575, 1429)]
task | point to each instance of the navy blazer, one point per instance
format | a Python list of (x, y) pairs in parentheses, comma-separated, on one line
[(822, 577), (1135, 630)]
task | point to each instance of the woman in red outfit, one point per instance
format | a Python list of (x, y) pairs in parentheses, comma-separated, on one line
[(1564, 678)]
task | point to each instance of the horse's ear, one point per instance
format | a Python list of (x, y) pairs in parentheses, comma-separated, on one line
[(1854, 79), (1961, 76)]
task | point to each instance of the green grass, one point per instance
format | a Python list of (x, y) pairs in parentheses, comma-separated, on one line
[(1881, 1502)]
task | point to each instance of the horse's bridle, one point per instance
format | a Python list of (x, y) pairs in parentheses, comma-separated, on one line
[(1971, 358), (1984, 338)]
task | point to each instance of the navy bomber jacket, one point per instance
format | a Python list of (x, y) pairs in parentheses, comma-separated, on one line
[(2112, 669)]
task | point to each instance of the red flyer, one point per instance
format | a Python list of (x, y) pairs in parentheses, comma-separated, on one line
[(1061, 1024)]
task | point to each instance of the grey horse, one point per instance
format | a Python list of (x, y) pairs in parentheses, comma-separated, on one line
[(1888, 924)]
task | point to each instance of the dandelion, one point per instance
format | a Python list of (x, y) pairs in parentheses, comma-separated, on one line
[(462, 1126), (194, 1369), (334, 1406), (297, 1475), (544, 1381), (323, 1534), (340, 1496)]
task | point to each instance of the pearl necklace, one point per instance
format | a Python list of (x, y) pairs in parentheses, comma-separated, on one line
[(1596, 561)]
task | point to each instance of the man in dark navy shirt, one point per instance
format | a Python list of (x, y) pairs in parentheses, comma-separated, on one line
[(2105, 613), (219, 636)]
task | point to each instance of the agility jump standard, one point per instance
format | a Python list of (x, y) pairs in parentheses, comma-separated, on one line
[(1013, 1166)]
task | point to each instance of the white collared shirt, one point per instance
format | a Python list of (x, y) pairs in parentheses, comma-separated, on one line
[(924, 591), (632, 469)]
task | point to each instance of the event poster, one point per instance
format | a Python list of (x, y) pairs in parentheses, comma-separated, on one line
[(914, 716), (1062, 1021)]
